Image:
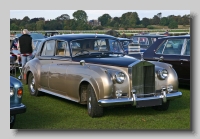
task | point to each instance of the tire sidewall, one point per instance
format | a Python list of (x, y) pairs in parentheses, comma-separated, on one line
[(12, 120), (30, 77)]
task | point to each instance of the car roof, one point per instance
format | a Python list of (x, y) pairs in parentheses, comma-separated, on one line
[(176, 37), (149, 35), (51, 31), (124, 39), (69, 37), (33, 35)]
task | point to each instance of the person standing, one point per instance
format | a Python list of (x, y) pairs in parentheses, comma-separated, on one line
[(124, 35), (25, 46)]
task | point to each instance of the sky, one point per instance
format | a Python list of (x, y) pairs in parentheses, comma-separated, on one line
[(92, 14)]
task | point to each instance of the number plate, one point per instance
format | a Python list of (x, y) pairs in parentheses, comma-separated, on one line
[(149, 103)]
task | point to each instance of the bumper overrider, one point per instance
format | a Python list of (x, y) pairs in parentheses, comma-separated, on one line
[(141, 102), (17, 109)]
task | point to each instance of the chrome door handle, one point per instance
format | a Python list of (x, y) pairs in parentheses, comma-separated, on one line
[(183, 60)]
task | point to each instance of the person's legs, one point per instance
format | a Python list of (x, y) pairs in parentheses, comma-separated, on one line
[(23, 60), (29, 57)]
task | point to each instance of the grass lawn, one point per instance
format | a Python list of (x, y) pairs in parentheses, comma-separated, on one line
[(50, 112)]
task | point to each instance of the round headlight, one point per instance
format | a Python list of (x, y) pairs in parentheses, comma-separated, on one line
[(163, 74), (11, 92), (120, 77)]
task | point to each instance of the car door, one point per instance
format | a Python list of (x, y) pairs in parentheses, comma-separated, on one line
[(59, 68), (185, 61), (171, 51), (45, 59)]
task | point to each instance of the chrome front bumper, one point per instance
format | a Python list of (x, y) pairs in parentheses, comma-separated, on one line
[(140, 102)]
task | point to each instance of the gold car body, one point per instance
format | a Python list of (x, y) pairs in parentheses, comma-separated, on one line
[(69, 77)]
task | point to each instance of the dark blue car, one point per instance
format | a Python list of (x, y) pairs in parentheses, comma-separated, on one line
[(174, 50)]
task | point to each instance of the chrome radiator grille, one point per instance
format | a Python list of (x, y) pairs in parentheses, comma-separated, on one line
[(143, 78)]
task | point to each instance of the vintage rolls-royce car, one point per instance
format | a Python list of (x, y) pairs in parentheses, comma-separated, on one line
[(16, 105), (92, 69)]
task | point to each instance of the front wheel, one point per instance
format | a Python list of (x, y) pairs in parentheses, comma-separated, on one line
[(94, 110), (12, 120), (32, 85), (162, 107)]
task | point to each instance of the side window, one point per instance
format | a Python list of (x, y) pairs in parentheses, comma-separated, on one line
[(171, 47), (101, 45), (48, 49), (153, 40), (62, 49), (161, 48), (144, 41)]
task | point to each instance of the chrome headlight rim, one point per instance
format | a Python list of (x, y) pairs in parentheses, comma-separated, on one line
[(119, 77), (11, 91), (162, 74)]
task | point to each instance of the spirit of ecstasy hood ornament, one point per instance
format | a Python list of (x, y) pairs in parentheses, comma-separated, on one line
[(141, 53)]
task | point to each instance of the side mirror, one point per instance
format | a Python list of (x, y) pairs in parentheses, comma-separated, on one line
[(82, 62)]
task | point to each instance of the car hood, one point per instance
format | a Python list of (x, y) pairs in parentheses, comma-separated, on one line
[(112, 61), (15, 82)]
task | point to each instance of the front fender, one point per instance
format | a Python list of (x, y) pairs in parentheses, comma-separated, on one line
[(101, 81), (172, 78)]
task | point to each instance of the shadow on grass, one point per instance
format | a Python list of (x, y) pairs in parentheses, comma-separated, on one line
[(125, 110)]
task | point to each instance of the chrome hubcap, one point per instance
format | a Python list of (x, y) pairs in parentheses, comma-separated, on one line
[(12, 119), (32, 85), (89, 104)]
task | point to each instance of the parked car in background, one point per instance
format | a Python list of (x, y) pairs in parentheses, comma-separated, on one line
[(128, 46), (145, 40), (16, 94), (97, 73), (174, 50), (14, 52), (50, 33)]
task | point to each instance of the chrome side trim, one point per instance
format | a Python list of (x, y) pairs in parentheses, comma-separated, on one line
[(55, 94), (134, 99)]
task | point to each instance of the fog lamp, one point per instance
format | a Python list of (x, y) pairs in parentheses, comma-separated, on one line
[(118, 93), (169, 88)]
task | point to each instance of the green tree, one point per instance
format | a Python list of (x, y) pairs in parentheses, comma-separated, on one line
[(186, 19), (13, 26), (63, 17), (145, 21), (164, 21), (115, 22), (129, 19), (80, 15), (31, 26), (105, 19), (33, 20), (155, 20), (173, 24), (40, 25), (26, 19)]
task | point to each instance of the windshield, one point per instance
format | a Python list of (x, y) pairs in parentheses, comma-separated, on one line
[(92, 46)]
